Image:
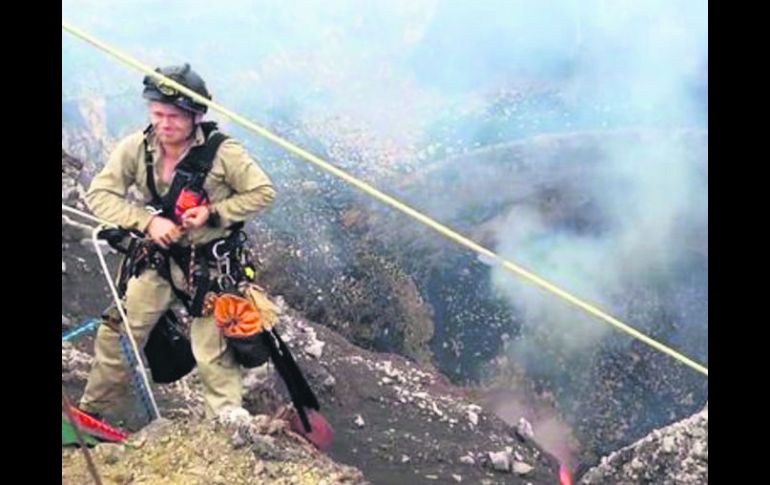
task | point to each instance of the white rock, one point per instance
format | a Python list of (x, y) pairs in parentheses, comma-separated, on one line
[(467, 460), (315, 348), (436, 410), (668, 445), (524, 428), (473, 418), (330, 381), (521, 468), (501, 461)]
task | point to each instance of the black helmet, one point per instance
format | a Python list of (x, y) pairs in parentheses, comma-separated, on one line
[(158, 91)]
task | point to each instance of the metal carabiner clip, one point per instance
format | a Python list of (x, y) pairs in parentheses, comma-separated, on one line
[(215, 251)]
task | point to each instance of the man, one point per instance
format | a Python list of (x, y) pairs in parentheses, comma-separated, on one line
[(230, 189)]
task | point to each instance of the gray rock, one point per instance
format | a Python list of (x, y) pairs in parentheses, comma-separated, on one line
[(500, 461), (676, 454)]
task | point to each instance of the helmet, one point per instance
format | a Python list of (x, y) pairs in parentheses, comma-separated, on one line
[(158, 91)]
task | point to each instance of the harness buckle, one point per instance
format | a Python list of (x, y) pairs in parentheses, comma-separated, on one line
[(215, 250), (225, 281), (153, 210)]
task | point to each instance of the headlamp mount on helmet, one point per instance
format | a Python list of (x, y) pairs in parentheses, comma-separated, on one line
[(158, 90)]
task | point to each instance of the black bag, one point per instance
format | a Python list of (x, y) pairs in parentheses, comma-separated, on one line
[(249, 351), (168, 351)]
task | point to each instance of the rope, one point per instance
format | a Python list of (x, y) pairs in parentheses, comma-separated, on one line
[(134, 348)]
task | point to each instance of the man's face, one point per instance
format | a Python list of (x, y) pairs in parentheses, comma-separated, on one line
[(172, 125)]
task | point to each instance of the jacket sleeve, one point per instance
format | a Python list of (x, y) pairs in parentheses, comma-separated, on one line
[(106, 196), (252, 189)]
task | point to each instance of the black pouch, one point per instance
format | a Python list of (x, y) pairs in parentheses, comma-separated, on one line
[(249, 351), (168, 351)]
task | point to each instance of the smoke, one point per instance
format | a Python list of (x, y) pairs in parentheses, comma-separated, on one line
[(649, 192), (639, 67)]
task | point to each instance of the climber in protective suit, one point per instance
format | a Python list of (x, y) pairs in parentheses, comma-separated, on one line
[(198, 188)]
